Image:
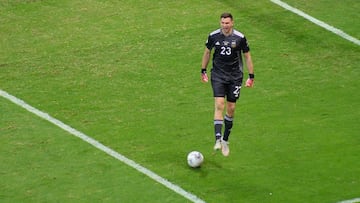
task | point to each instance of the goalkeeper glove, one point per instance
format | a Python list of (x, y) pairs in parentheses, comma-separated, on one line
[(250, 80), (204, 77)]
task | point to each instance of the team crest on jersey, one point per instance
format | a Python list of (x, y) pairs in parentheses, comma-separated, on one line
[(233, 44)]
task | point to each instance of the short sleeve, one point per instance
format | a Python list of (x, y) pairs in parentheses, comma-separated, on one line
[(209, 42), (244, 45)]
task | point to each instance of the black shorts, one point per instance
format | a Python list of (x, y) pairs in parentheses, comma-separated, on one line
[(226, 87)]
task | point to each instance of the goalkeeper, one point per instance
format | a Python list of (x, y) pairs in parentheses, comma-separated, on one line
[(226, 75)]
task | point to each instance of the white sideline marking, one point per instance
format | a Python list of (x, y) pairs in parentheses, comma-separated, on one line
[(317, 22), (102, 147), (329, 28), (351, 201)]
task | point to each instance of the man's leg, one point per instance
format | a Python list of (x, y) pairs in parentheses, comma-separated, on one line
[(228, 120), (230, 109), (218, 120)]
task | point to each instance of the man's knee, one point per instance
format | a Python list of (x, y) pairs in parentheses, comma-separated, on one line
[(219, 104)]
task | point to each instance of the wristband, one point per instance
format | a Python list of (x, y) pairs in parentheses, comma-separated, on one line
[(203, 71), (251, 75)]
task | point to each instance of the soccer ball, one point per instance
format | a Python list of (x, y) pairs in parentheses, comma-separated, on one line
[(195, 159)]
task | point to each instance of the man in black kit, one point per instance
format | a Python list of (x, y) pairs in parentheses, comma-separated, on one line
[(226, 75)]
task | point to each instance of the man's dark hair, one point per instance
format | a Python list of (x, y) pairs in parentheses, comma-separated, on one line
[(226, 15)]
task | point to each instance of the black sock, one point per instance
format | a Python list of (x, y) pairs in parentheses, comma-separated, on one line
[(228, 126), (218, 128)]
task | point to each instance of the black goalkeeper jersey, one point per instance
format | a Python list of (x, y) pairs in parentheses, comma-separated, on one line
[(227, 57)]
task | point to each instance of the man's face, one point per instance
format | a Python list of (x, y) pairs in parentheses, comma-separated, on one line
[(226, 25)]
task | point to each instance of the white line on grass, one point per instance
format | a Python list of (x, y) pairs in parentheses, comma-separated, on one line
[(351, 201), (317, 22), (102, 147), (329, 28)]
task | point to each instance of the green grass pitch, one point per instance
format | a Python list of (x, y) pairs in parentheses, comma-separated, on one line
[(126, 73)]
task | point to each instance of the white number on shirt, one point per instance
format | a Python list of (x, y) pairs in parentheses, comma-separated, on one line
[(225, 51)]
